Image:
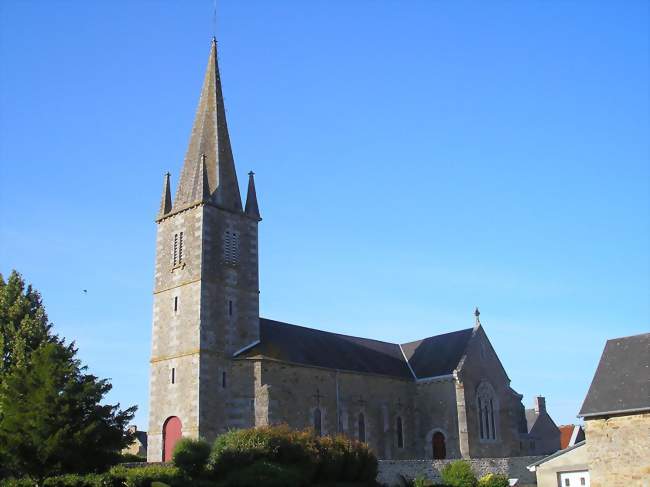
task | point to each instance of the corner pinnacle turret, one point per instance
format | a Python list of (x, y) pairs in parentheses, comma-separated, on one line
[(209, 150), (166, 200), (252, 209)]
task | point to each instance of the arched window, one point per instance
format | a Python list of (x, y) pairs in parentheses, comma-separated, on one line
[(172, 432), (439, 446), (487, 406), (400, 433), (362, 427), (318, 426)]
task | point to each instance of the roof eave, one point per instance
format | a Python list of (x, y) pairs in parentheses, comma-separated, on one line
[(614, 412)]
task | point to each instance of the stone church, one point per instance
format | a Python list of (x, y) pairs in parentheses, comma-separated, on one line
[(217, 365)]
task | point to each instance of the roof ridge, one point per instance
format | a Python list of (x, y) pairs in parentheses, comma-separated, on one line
[(330, 332), (439, 335)]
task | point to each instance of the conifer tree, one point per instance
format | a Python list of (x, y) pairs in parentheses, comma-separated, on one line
[(23, 323), (52, 419)]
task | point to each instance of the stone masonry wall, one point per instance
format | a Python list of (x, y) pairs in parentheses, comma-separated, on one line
[(618, 450), (513, 467), (294, 392)]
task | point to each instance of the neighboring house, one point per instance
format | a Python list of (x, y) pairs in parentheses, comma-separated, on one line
[(617, 415), (139, 445), (542, 434), (217, 365), (565, 468), (570, 434)]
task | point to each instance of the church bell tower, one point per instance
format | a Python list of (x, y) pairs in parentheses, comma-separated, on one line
[(206, 286)]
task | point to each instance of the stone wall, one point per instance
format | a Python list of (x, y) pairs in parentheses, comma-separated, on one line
[(513, 467), (294, 392), (618, 450), (482, 365)]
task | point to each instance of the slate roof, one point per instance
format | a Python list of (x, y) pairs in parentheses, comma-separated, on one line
[(622, 380), (308, 346), (531, 419), (437, 355)]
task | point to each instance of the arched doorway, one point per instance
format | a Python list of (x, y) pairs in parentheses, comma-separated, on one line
[(172, 432), (439, 447)]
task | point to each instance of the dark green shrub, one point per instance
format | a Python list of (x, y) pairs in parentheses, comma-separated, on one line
[(493, 480), (17, 483), (131, 458), (144, 476), (263, 473), (318, 460), (458, 474), (191, 456), (73, 480), (238, 449)]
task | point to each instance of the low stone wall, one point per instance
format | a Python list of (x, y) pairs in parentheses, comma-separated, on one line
[(513, 467)]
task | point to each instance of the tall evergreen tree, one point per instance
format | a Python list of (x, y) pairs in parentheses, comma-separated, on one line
[(23, 323), (51, 417), (52, 421)]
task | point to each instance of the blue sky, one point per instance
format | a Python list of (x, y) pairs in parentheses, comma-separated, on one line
[(413, 160)]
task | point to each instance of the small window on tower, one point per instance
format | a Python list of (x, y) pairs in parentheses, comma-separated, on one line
[(180, 248), (175, 303), (400, 433), (223, 380), (178, 251), (175, 251), (230, 307), (231, 248), (173, 375)]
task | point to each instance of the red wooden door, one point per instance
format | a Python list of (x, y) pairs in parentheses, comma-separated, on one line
[(439, 447), (172, 432)]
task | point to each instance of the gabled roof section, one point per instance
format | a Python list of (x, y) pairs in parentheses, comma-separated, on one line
[(622, 380), (307, 346), (317, 348), (437, 355), (209, 144)]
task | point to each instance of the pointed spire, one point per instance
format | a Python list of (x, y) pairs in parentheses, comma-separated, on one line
[(210, 137), (203, 189), (166, 200), (252, 209)]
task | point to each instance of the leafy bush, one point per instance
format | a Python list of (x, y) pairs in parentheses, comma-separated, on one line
[(75, 480), (493, 480), (264, 473), (458, 474), (145, 476), (317, 459), (131, 458), (191, 456), (17, 483)]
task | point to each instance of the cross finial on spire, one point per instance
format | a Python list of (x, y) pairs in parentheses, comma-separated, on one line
[(477, 313)]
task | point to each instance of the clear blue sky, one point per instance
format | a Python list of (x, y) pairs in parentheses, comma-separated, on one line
[(413, 159)]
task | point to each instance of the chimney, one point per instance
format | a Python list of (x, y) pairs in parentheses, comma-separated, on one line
[(540, 404)]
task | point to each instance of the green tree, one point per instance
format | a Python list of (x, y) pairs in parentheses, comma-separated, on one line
[(52, 421), (23, 323)]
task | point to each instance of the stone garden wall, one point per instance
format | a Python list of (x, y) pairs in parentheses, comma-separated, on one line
[(513, 467)]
